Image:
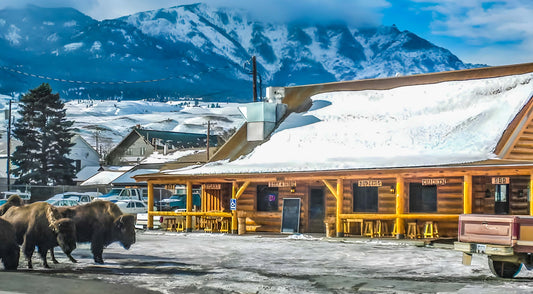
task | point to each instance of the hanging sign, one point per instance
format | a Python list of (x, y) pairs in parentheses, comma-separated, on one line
[(282, 184), (369, 183), (432, 182), (213, 186), (501, 180)]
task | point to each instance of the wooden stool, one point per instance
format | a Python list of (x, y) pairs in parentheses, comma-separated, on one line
[(224, 227), (381, 229), (171, 224), (395, 229), (180, 226), (369, 229), (431, 230), (209, 225), (412, 230)]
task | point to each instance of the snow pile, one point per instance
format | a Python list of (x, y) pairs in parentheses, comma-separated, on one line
[(422, 125)]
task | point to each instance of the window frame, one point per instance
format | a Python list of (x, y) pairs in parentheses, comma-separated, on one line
[(369, 197), (262, 205)]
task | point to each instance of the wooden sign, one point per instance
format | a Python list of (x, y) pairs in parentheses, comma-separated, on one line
[(432, 182), (501, 180), (213, 186), (281, 184), (369, 183)]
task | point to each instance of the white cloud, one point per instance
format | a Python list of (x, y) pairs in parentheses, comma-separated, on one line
[(492, 29)]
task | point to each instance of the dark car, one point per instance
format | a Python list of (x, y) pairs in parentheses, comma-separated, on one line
[(178, 201)]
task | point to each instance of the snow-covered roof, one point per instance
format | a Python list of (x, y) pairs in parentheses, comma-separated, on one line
[(102, 178), (86, 172), (126, 178), (421, 125)]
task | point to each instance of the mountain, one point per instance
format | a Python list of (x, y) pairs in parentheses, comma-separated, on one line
[(196, 51)]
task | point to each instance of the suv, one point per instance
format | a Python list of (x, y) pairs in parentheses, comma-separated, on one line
[(116, 194), (178, 201)]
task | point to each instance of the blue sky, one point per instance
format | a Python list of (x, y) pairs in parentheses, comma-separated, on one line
[(477, 31)]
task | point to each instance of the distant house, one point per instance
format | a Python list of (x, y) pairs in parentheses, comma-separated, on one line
[(83, 153), (141, 143)]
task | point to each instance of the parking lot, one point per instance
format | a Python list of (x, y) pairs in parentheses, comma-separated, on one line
[(162, 262)]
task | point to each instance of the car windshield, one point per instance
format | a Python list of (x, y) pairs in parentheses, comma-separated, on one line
[(113, 192)]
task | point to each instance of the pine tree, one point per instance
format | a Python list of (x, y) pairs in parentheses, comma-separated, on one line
[(46, 136)]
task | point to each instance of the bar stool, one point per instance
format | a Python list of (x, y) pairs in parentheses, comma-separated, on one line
[(224, 226), (369, 229), (171, 224), (431, 230), (412, 230), (381, 229), (180, 226)]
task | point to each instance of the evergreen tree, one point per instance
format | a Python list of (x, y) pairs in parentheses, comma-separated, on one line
[(46, 136)]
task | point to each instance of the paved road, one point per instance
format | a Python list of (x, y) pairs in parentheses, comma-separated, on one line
[(219, 263)]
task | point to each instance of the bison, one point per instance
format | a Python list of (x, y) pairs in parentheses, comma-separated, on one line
[(13, 200), (9, 249), (40, 224), (101, 223)]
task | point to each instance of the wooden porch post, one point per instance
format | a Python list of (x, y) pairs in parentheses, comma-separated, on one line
[(530, 193), (150, 220), (234, 228), (340, 196), (235, 194), (400, 207), (467, 194), (188, 218)]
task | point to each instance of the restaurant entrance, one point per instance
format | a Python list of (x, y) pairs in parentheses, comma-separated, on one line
[(316, 211)]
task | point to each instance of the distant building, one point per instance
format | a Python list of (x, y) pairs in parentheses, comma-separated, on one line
[(83, 153), (141, 143)]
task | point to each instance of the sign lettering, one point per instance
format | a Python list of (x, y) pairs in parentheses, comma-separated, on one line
[(282, 184), (369, 183), (501, 180), (213, 186), (431, 182)]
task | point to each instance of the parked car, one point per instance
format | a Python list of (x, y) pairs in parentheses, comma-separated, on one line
[(142, 221), (26, 196), (82, 198), (63, 202), (178, 201), (116, 194), (132, 206)]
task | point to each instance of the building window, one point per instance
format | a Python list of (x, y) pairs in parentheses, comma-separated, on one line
[(422, 198), (78, 165), (129, 151), (267, 198), (143, 150), (365, 199)]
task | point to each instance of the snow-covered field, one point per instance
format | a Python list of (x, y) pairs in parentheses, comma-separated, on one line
[(111, 120), (222, 263)]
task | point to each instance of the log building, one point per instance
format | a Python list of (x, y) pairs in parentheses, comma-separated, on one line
[(400, 156)]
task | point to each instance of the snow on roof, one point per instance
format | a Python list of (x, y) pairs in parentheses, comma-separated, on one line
[(86, 172), (157, 157), (127, 177), (102, 178), (422, 125)]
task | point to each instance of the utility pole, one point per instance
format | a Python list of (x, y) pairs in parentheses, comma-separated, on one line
[(254, 77), (8, 168), (208, 132)]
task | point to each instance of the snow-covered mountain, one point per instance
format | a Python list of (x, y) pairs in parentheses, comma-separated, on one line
[(197, 51)]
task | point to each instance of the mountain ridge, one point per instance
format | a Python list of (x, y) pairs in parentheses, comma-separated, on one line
[(197, 51)]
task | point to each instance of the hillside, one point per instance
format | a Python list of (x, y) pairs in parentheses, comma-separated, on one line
[(196, 51)]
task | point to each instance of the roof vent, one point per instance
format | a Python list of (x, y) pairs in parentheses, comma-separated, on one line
[(261, 117)]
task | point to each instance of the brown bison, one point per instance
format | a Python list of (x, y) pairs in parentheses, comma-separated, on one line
[(101, 223), (13, 200), (9, 249), (40, 224)]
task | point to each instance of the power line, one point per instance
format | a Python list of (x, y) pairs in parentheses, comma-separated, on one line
[(106, 83)]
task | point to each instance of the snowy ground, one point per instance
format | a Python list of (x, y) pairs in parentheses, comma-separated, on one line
[(221, 263)]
